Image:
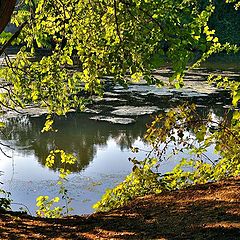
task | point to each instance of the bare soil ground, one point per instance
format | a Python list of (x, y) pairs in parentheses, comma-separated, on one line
[(209, 211)]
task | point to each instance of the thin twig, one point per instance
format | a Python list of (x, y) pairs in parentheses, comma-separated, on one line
[(21, 204), (4, 153), (116, 21)]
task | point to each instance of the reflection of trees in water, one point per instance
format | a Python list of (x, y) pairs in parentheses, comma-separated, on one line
[(78, 135)]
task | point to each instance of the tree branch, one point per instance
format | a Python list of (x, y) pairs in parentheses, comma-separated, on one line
[(116, 20), (6, 10), (13, 37), (145, 12)]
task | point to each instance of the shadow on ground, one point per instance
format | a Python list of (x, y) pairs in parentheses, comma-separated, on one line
[(210, 211)]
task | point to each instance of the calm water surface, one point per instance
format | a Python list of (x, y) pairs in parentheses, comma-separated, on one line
[(102, 150)]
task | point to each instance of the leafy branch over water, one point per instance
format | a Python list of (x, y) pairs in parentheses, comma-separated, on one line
[(183, 128), (45, 205)]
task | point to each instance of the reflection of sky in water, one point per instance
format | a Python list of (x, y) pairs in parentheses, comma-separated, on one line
[(105, 164), (26, 178), (20, 167)]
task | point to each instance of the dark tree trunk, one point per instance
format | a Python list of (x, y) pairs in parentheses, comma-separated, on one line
[(6, 10)]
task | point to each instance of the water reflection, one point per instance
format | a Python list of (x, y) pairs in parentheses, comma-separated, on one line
[(78, 135), (102, 151)]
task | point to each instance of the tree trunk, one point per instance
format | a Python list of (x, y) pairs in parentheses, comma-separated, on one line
[(6, 10)]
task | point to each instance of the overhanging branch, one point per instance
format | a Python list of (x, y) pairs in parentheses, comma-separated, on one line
[(6, 10), (13, 37)]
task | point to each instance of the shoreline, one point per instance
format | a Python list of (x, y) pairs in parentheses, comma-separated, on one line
[(206, 211)]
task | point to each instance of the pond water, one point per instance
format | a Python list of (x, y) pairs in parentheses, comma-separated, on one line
[(102, 150)]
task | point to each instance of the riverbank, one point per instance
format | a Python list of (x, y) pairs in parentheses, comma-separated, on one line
[(209, 211)]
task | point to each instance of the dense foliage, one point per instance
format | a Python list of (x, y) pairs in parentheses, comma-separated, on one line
[(122, 39)]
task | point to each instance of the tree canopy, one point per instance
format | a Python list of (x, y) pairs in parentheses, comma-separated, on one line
[(118, 38)]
